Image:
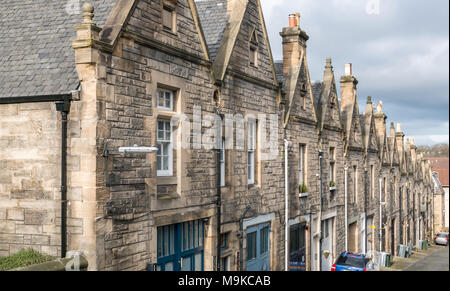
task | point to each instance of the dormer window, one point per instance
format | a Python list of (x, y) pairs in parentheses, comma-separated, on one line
[(253, 56), (169, 17)]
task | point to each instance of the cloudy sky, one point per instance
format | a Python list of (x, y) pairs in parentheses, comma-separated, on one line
[(399, 50)]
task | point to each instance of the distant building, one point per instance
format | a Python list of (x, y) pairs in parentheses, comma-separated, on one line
[(440, 166)]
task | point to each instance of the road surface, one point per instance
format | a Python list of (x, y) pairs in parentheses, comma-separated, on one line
[(437, 261)]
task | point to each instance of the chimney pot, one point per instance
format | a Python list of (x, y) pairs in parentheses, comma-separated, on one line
[(380, 107), (348, 69), (292, 20)]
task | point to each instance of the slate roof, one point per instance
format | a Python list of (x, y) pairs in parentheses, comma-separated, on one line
[(316, 89), (213, 19), (36, 55)]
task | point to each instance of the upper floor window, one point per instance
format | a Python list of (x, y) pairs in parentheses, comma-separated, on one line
[(372, 182), (355, 185), (165, 99), (332, 167), (254, 49), (251, 148), (302, 165), (169, 17), (165, 149)]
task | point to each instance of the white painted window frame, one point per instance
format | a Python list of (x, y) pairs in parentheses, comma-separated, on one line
[(169, 172), (251, 149), (171, 98)]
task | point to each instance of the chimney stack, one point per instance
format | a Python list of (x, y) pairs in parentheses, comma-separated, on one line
[(294, 44), (380, 121), (348, 88), (348, 70)]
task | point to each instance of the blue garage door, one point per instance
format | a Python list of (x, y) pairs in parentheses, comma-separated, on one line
[(258, 247), (180, 247)]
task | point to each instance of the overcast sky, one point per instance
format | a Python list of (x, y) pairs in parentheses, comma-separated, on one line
[(399, 50)]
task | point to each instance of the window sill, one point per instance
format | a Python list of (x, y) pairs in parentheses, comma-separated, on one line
[(303, 195), (168, 196), (332, 189)]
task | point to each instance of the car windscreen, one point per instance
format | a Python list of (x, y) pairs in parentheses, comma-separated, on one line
[(351, 262), (444, 235)]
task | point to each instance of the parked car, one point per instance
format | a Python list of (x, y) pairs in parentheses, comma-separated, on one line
[(352, 262), (441, 239)]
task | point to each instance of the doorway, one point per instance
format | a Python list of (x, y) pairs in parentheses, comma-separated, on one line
[(327, 244), (258, 247)]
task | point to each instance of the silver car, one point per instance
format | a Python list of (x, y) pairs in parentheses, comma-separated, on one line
[(441, 239)]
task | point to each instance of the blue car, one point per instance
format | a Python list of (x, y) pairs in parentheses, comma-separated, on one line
[(351, 262)]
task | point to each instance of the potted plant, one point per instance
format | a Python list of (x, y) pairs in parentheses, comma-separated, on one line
[(332, 184), (303, 189)]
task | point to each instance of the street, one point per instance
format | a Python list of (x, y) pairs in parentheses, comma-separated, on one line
[(437, 261)]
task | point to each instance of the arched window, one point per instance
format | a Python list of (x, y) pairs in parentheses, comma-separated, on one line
[(254, 43)]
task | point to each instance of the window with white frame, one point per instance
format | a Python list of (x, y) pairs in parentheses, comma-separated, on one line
[(332, 166), (355, 185), (372, 182), (302, 165), (165, 149), (251, 148), (384, 190), (165, 99)]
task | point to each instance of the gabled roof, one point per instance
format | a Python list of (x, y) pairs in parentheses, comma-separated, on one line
[(222, 28), (393, 149), (368, 127), (36, 55), (322, 92), (291, 82), (214, 18)]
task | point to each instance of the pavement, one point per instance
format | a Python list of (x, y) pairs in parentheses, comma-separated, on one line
[(435, 258)]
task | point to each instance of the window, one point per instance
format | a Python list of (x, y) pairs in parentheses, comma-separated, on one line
[(384, 190), (224, 240), (165, 99), (180, 246), (264, 243), (226, 264), (251, 246), (372, 182), (168, 18), (254, 49), (332, 166), (222, 164), (302, 165), (165, 151), (355, 184), (251, 143)]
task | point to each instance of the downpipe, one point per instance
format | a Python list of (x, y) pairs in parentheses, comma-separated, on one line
[(346, 206), (64, 108), (286, 209)]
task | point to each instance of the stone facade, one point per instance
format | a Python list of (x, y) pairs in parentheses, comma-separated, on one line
[(119, 204)]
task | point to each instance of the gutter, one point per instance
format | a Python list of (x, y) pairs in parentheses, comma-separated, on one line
[(35, 99), (63, 106)]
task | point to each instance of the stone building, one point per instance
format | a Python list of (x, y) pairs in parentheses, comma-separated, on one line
[(330, 210), (151, 134)]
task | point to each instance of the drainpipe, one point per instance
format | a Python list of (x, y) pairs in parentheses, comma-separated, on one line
[(64, 108), (241, 238), (381, 221), (219, 206), (320, 210), (346, 207), (286, 206)]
